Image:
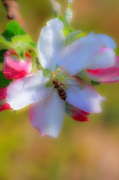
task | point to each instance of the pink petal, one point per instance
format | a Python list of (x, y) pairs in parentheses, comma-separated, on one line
[(14, 67), (116, 61), (3, 93), (107, 75), (76, 113), (5, 107), (80, 115)]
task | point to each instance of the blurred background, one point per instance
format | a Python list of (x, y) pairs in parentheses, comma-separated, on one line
[(83, 151)]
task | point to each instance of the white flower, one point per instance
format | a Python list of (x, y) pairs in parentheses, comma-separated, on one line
[(47, 108)]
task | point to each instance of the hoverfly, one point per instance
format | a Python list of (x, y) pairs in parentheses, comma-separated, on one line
[(60, 89)]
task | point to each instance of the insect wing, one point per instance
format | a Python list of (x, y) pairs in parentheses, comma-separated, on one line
[(49, 99)]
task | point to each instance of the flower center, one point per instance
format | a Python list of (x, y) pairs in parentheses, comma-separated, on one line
[(62, 76)]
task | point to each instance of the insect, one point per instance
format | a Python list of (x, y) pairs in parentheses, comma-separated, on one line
[(60, 88)]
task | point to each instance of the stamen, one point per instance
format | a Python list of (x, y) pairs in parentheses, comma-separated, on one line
[(62, 66), (54, 73), (59, 70)]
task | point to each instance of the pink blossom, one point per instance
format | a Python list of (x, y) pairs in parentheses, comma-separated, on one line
[(15, 67), (3, 104), (106, 71)]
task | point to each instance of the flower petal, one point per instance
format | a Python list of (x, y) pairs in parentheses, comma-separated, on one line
[(14, 67), (27, 90), (76, 113), (48, 119), (51, 41), (107, 41), (104, 59), (79, 115), (80, 53), (85, 98), (3, 93), (107, 75), (5, 106)]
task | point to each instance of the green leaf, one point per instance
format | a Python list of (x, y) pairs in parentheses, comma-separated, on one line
[(3, 81), (33, 45), (6, 43), (21, 39), (13, 28), (22, 43), (73, 36), (94, 83), (47, 73), (67, 30), (2, 51)]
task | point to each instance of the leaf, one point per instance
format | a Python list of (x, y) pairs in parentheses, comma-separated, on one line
[(73, 36), (21, 39), (13, 28), (3, 81), (33, 45), (46, 73), (94, 83), (67, 30), (6, 43), (2, 52), (22, 43)]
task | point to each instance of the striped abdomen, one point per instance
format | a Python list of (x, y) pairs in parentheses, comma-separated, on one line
[(62, 93)]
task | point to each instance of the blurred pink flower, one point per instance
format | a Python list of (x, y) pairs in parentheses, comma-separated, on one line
[(15, 67)]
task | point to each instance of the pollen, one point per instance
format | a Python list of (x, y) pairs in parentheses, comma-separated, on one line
[(54, 73)]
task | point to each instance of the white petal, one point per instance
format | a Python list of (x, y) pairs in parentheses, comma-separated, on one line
[(79, 54), (107, 41), (103, 60), (86, 99), (27, 90), (51, 41), (48, 119)]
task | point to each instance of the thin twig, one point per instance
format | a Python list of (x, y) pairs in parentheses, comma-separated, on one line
[(13, 11)]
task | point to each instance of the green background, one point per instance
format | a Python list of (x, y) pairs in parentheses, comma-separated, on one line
[(83, 151)]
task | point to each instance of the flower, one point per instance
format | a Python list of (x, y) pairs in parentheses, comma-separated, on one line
[(47, 108), (15, 67), (108, 70), (3, 104)]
